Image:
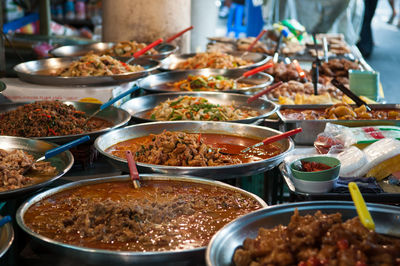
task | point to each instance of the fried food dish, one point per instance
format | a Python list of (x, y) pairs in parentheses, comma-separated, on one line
[(48, 118), (212, 60), (14, 171), (337, 68), (128, 48), (285, 72), (319, 239), (97, 65), (188, 149), (163, 215), (198, 108), (341, 111), (210, 83)]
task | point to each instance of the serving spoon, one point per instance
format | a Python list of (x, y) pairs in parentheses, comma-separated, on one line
[(365, 216), (53, 152), (359, 102), (133, 172), (266, 141), (142, 51), (248, 50)]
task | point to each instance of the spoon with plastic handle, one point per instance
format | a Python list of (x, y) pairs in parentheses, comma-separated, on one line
[(110, 102), (361, 207), (133, 172), (170, 39), (144, 50), (254, 71), (53, 152)]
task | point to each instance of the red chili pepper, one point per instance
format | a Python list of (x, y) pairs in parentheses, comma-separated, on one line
[(342, 244), (52, 131)]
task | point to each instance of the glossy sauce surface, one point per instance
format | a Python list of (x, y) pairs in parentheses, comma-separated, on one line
[(163, 215)]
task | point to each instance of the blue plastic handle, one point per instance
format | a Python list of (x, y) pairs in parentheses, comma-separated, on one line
[(122, 95), (4, 220), (67, 146)]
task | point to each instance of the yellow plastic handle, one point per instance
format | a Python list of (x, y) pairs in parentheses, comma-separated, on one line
[(361, 207)]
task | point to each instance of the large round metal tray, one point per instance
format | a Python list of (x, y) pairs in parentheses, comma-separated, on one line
[(107, 257), (63, 161), (117, 116), (259, 59), (224, 243), (39, 71), (6, 237), (139, 107), (215, 172), (163, 50), (158, 82)]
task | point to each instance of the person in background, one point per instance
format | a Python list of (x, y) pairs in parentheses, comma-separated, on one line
[(366, 42)]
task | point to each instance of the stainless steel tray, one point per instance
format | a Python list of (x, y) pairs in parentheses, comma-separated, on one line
[(6, 237), (63, 161), (163, 50), (311, 128), (108, 257), (223, 244), (216, 172), (39, 71), (117, 116), (140, 106), (158, 82), (258, 59)]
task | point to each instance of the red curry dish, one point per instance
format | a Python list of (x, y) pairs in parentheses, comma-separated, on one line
[(192, 149), (162, 215)]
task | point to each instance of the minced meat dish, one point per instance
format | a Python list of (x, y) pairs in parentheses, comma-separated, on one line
[(48, 118), (14, 164), (319, 239), (162, 215)]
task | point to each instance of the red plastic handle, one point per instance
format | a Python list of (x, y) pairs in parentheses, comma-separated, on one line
[(133, 172), (270, 88), (148, 47), (257, 69), (170, 39), (256, 40), (298, 68), (282, 136)]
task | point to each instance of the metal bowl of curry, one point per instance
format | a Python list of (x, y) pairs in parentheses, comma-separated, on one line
[(194, 148), (168, 220), (53, 119)]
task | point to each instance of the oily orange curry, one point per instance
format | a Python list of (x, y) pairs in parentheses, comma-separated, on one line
[(162, 215), (192, 149)]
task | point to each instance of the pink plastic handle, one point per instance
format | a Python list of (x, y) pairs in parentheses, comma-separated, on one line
[(148, 47), (256, 40), (282, 136), (170, 39), (270, 88), (257, 69), (133, 172)]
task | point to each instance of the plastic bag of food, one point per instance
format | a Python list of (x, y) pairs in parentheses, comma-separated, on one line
[(332, 140)]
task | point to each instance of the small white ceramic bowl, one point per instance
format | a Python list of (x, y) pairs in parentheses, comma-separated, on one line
[(313, 186)]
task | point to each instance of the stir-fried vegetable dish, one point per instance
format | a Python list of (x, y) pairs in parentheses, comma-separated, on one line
[(198, 108), (204, 83), (128, 48), (212, 60)]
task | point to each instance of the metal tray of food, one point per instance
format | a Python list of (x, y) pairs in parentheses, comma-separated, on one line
[(107, 257), (42, 72), (6, 237), (140, 107), (117, 116), (63, 161), (223, 244), (214, 172), (311, 128), (163, 50), (258, 59), (159, 82)]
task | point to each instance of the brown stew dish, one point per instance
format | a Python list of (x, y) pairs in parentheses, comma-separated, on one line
[(190, 149), (341, 111), (46, 119), (16, 171), (319, 239), (160, 216)]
